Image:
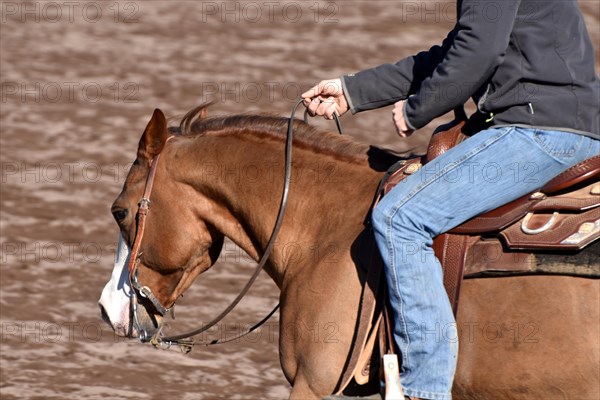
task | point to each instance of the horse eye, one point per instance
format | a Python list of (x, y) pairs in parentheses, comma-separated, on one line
[(119, 215)]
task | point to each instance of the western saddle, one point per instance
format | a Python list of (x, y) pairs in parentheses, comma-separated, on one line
[(562, 216)]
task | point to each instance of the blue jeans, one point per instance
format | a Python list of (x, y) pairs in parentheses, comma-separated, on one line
[(490, 169)]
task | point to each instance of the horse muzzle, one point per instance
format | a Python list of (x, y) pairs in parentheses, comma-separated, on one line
[(127, 314), (132, 321)]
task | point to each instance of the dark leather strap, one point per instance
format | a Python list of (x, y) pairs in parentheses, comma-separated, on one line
[(266, 254), (370, 295), (184, 338), (451, 250), (142, 212)]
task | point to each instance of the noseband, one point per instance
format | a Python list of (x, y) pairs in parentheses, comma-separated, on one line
[(144, 291)]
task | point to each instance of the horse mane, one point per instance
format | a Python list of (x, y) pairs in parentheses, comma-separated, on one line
[(273, 127)]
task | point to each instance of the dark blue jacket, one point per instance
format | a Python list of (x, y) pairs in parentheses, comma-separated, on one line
[(528, 62)]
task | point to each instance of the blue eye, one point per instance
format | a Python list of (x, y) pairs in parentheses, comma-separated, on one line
[(119, 215)]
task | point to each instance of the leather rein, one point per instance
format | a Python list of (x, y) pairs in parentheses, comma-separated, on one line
[(185, 340)]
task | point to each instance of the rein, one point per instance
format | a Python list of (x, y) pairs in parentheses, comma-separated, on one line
[(185, 340)]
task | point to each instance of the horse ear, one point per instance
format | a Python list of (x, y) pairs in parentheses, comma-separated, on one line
[(154, 138), (202, 114)]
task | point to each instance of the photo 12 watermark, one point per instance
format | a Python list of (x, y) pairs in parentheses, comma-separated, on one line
[(69, 92), (289, 252), (252, 12), (472, 172), (509, 332), (251, 92), (55, 252), (69, 11), (320, 172), (20, 172), (446, 11), (40, 332)]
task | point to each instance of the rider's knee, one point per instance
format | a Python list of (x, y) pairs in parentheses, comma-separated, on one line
[(397, 219), (379, 219)]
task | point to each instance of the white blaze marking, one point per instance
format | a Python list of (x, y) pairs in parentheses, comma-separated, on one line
[(116, 294)]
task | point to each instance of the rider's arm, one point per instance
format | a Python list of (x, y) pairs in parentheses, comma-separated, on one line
[(445, 77), (388, 83)]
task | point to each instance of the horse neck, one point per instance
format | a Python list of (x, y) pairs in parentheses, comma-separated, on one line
[(242, 178)]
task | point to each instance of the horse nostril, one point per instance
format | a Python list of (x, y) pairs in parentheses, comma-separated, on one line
[(104, 314)]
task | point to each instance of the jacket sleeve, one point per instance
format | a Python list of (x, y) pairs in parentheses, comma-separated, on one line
[(477, 46), (388, 83)]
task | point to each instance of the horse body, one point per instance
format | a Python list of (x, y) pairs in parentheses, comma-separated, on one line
[(529, 337), (311, 261), (225, 179)]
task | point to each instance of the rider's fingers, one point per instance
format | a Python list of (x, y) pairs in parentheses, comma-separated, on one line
[(310, 93), (330, 110), (323, 88), (312, 106), (325, 105)]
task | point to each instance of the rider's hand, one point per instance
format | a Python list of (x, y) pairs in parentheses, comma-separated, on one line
[(326, 98), (402, 127)]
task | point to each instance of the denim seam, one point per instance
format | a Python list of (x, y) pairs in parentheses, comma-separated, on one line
[(390, 245)]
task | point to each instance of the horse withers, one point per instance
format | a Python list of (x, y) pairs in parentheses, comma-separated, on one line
[(526, 337)]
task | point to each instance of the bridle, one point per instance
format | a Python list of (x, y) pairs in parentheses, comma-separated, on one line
[(184, 340), (134, 258)]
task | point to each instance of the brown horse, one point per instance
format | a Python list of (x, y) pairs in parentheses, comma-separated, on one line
[(528, 337)]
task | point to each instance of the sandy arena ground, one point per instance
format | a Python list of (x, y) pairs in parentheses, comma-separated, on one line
[(79, 81)]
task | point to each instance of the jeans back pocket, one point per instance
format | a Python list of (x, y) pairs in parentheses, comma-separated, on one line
[(558, 144)]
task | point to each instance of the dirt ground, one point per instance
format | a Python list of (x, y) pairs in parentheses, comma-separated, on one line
[(79, 82)]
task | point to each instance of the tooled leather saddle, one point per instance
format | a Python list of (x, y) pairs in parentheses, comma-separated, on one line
[(562, 216), (560, 219)]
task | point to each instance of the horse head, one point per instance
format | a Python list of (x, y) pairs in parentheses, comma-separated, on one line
[(177, 244)]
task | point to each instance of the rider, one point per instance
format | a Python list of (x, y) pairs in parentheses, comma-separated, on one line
[(529, 67)]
